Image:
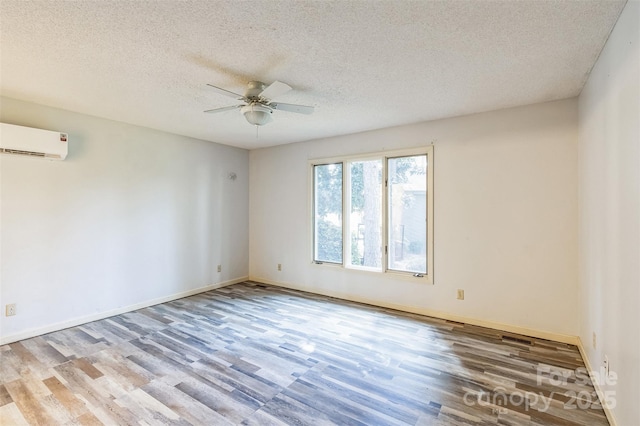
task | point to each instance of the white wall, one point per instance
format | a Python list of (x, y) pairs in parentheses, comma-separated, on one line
[(609, 152), (505, 219), (132, 215)]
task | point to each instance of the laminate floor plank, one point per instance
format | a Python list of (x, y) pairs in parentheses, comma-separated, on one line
[(43, 352), (10, 414), (32, 407), (254, 354), (72, 404), (10, 365)]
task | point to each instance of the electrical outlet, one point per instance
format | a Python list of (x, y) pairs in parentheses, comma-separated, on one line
[(460, 294), (594, 340), (279, 266), (10, 309), (219, 268), (606, 366)]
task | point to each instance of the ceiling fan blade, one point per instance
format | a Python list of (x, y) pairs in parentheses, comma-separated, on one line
[(300, 109), (229, 108), (274, 90), (227, 93)]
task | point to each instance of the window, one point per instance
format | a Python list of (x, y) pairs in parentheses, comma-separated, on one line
[(407, 213), (327, 212), (375, 212), (365, 214)]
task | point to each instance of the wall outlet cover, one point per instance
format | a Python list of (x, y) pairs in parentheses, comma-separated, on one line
[(10, 309)]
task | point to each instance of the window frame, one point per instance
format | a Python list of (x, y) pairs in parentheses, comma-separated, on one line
[(346, 161), (347, 192), (313, 212)]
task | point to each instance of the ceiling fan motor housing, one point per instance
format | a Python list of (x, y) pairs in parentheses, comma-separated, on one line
[(254, 88)]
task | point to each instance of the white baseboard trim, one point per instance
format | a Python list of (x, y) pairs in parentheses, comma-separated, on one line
[(33, 332), (596, 384), (540, 334)]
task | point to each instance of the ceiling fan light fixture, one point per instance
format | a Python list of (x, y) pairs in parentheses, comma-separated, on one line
[(257, 114)]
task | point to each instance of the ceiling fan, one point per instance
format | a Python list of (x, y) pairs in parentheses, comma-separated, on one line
[(258, 105)]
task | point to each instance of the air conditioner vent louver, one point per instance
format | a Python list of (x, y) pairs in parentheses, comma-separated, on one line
[(17, 151), (30, 142)]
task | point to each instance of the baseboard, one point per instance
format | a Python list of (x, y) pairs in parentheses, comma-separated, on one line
[(33, 332), (596, 384), (540, 334)]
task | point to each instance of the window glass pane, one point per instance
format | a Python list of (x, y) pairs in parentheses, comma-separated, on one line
[(407, 186), (365, 214), (328, 213)]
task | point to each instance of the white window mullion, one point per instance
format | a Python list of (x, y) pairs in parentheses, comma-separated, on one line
[(346, 210), (385, 215)]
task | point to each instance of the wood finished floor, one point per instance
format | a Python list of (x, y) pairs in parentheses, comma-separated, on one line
[(259, 355)]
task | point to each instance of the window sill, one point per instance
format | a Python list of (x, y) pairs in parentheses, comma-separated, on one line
[(390, 275)]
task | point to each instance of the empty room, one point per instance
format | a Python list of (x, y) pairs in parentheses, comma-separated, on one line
[(297, 212)]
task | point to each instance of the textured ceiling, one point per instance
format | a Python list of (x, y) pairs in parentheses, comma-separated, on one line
[(362, 64)]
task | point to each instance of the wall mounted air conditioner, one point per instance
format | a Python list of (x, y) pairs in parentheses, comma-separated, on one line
[(19, 140)]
